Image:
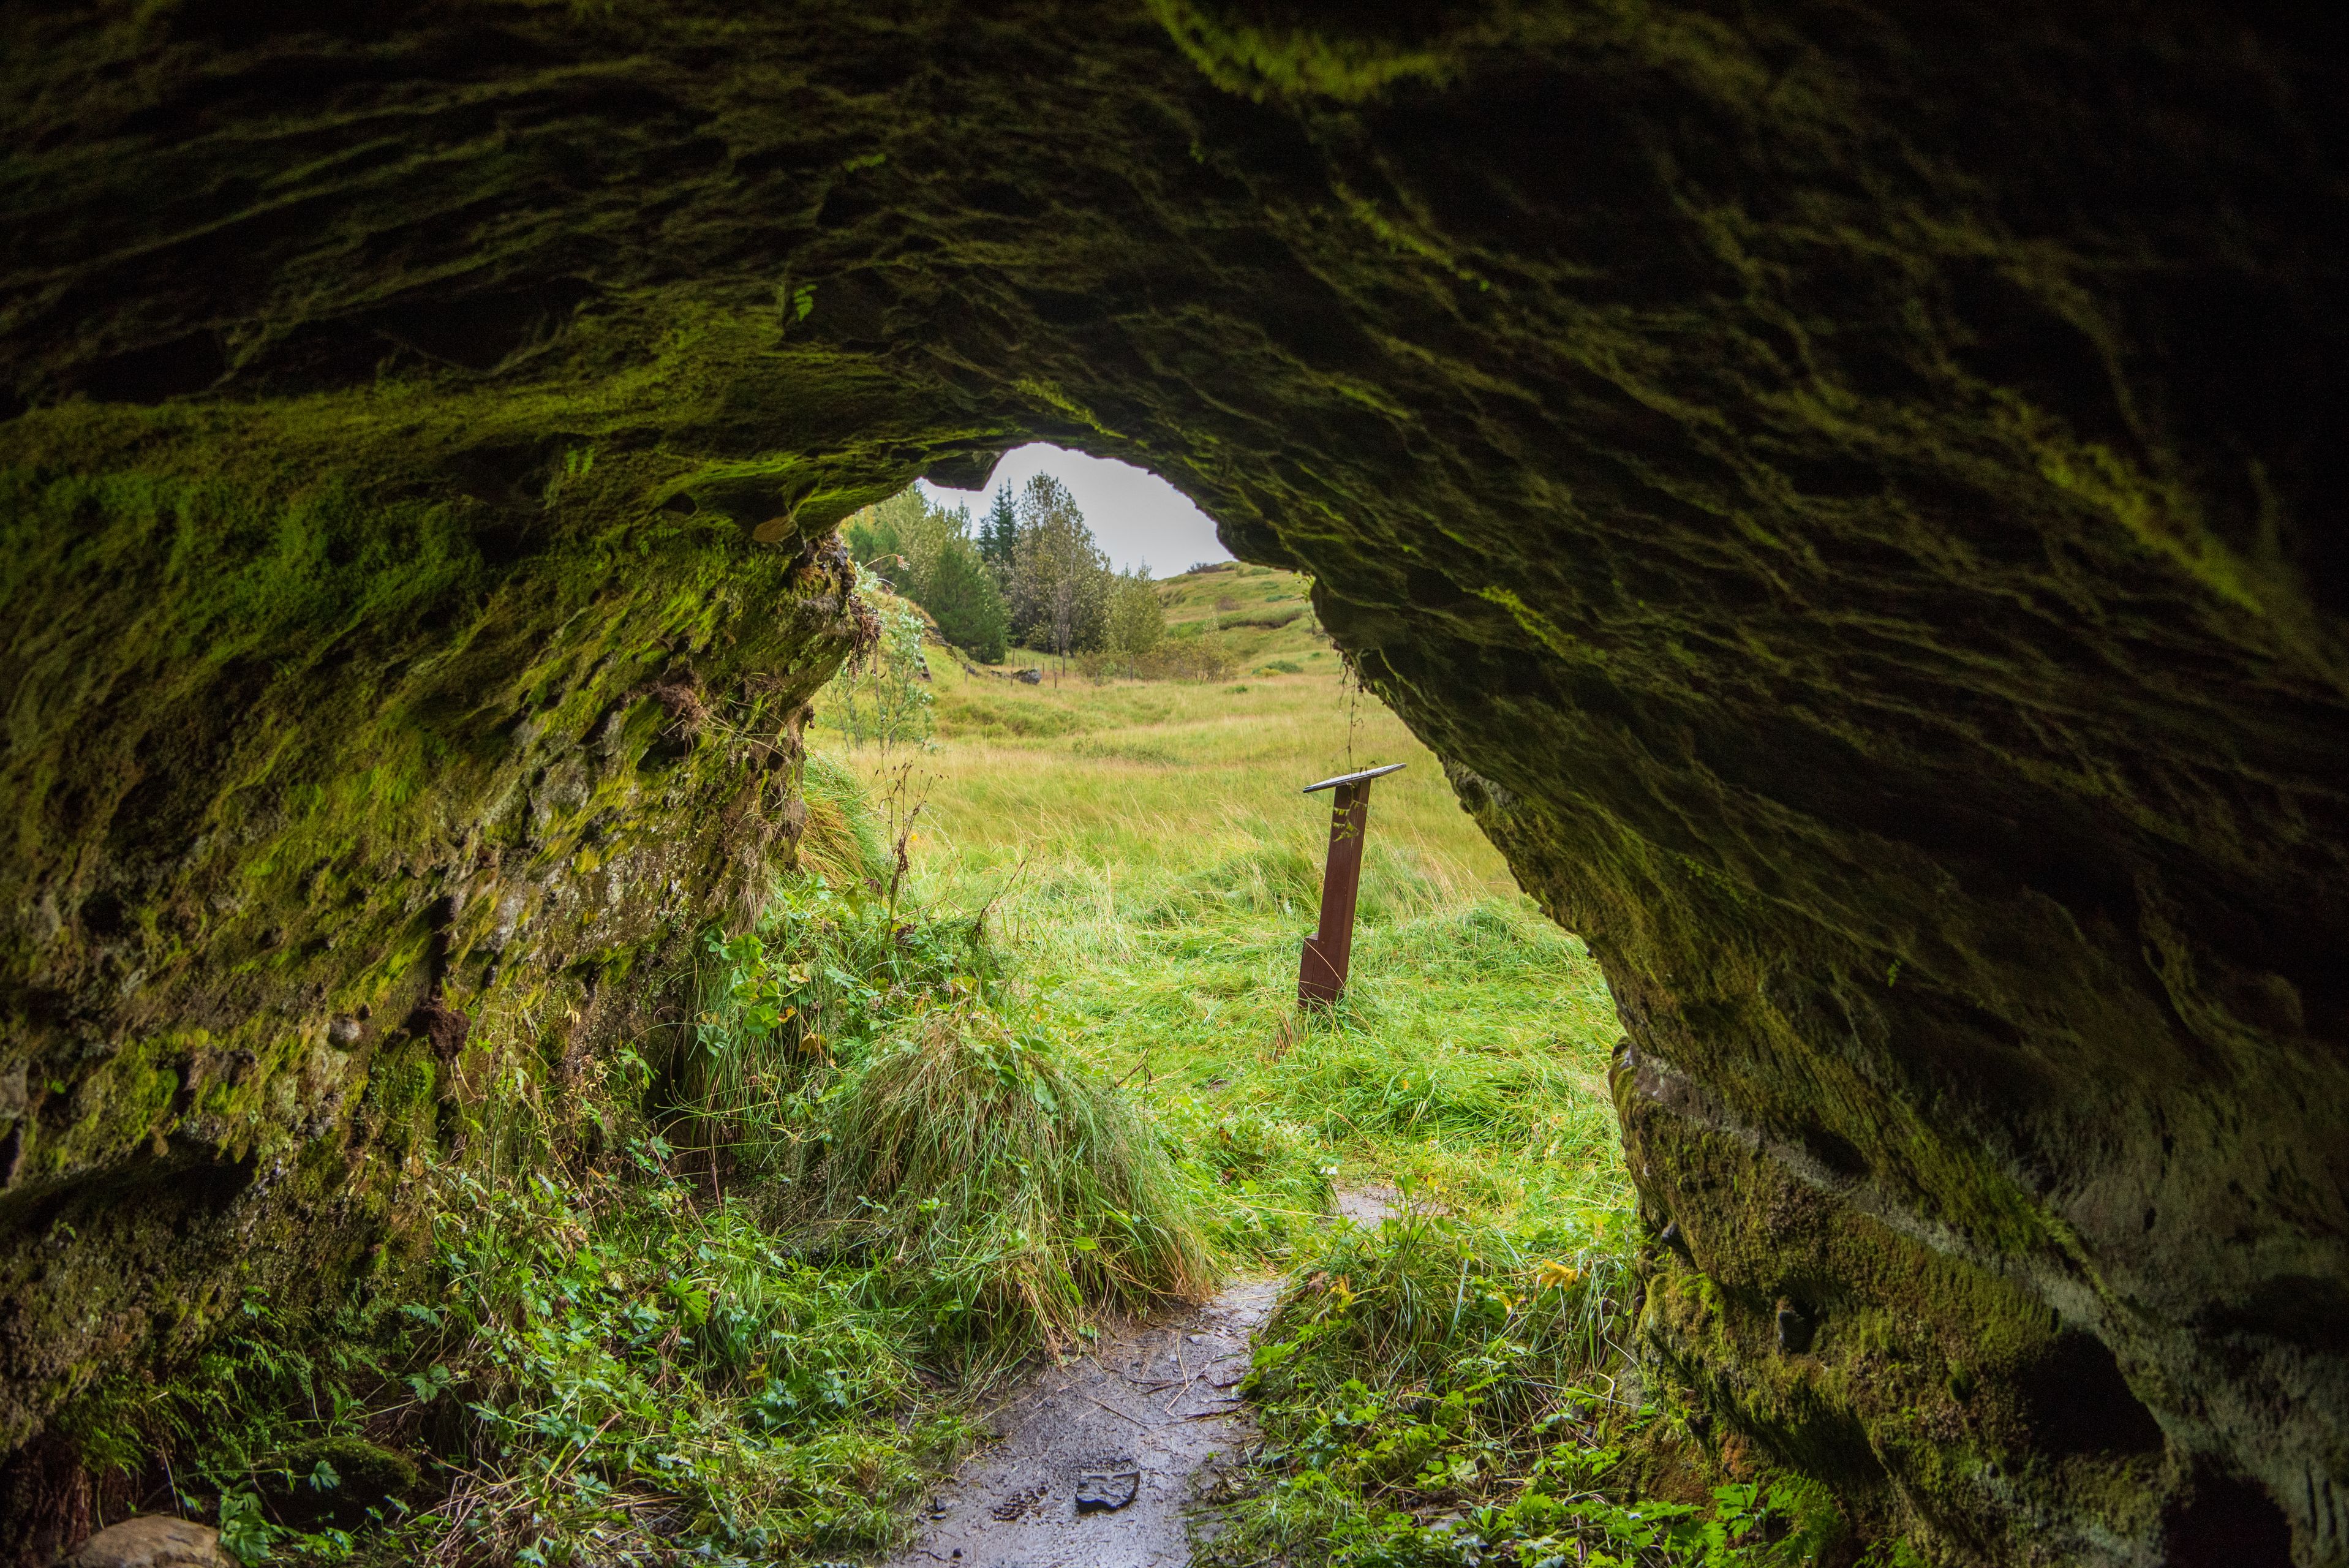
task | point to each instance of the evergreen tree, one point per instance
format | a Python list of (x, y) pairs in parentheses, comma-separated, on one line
[(1060, 578), (999, 536)]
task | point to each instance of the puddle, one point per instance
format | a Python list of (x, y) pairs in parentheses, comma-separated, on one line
[(1101, 1460)]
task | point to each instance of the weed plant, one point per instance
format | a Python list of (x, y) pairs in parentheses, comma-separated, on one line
[(617, 1380), (607, 1367)]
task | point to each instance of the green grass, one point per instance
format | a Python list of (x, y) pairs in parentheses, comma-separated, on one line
[(860, 1069), (1150, 866)]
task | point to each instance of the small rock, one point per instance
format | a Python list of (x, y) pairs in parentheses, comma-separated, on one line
[(1796, 1326), (1104, 1492), (153, 1541), (335, 1480)]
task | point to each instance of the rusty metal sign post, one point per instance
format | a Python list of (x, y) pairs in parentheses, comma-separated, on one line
[(1322, 976)]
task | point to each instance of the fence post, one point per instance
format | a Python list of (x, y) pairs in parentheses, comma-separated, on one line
[(1328, 952)]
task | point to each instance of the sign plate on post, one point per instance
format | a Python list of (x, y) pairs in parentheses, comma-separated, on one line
[(1322, 975)]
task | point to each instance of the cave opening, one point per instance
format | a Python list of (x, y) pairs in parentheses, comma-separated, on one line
[(1130, 821)]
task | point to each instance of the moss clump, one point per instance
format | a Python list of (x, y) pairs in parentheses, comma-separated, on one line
[(336, 1480)]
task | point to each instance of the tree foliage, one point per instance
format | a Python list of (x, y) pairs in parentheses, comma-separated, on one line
[(1031, 573), (1060, 587), (1137, 619), (961, 594), (926, 554), (999, 536)]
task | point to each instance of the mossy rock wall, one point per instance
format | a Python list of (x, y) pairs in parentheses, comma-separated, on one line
[(317, 781), (1856, 494)]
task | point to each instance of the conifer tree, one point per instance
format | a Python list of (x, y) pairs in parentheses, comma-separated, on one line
[(999, 536), (960, 593)]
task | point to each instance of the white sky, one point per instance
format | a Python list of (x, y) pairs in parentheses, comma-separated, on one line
[(1137, 516)]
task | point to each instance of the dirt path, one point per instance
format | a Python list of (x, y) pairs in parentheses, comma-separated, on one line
[(1100, 1458)]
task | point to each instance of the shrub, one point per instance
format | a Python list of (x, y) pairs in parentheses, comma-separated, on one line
[(882, 693), (1198, 658)]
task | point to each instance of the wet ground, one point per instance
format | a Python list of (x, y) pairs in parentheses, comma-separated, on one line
[(1102, 1458)]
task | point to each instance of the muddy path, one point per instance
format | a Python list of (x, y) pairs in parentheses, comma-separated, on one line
[(1100, 1459)]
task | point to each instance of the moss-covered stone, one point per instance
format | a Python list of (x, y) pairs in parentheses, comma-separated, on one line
[(1856, 493), (336, 1480)]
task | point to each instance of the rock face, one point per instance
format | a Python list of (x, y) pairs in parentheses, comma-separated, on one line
[(1855, 493)]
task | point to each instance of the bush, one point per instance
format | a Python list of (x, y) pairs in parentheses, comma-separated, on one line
[(881, 695), (1199, 659)]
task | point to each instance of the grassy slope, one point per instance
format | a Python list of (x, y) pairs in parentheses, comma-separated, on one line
[(1155, 865)]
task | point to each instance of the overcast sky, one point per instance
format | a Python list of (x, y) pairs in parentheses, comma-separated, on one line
[(1137, 516)]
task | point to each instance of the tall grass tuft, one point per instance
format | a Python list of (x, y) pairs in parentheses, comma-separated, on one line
[(851, 1073), (1428, 1302), (1008, 1189), (842, 840)]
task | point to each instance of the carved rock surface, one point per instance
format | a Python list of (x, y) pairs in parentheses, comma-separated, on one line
[(1856, 493)]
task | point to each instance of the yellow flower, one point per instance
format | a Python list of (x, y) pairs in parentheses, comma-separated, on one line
[(1556, 1273)]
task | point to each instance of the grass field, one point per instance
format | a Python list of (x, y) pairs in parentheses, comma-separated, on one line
[(1150, 865), (1449, 1387)]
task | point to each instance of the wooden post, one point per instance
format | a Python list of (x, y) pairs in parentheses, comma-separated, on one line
[(1321, 973)]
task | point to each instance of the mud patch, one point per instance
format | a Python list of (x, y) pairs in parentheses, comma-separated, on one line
[(1368, 1206), (1100, 1459)]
